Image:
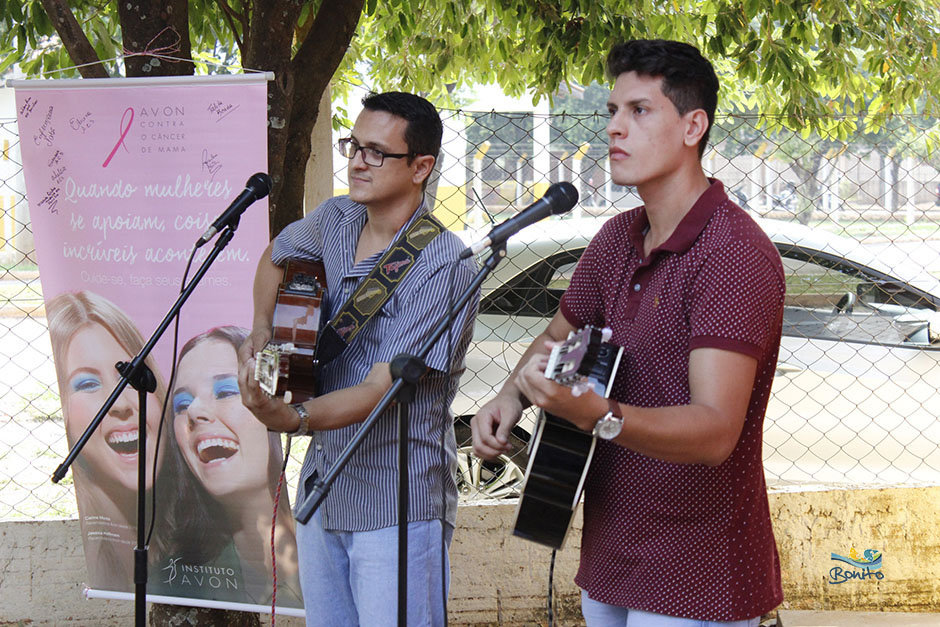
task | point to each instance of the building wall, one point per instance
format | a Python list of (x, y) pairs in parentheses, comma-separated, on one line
[(498, 579)]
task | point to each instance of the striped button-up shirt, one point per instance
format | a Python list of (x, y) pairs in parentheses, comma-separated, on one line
[(364, 496)]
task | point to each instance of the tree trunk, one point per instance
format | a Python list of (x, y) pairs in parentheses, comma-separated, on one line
[(163, 28), (808, 190), (176, 616), (160, 27), (894, 168), (294, 95)]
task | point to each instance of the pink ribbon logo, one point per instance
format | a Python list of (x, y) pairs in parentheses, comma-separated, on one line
[(125, 129)]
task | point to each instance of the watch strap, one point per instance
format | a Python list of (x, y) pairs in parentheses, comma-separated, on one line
[(304, 427), (614, 408)]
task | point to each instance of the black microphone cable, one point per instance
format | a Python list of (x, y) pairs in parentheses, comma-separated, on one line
[(551, 590), (166, 399)]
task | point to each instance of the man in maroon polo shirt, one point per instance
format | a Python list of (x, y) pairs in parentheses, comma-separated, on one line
[(677, 529)]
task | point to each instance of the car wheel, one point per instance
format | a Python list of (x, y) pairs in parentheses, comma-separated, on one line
[(484, 479), (481, 479)]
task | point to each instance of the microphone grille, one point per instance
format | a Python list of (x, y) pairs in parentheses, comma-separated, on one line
[(562, 197), (260, 183)]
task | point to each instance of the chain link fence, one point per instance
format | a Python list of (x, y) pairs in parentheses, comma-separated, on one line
[(857, 221)]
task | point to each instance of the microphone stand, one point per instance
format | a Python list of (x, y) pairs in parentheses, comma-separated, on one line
[(407, 371), (139, 376)]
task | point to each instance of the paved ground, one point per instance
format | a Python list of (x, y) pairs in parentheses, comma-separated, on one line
[(809, 618)]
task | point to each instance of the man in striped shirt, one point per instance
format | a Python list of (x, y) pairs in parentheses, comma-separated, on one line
[(348, 549)]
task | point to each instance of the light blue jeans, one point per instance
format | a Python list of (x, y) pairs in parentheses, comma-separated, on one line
[(350, 578), (597, 614)]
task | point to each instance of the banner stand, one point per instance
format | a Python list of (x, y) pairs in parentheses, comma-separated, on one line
[(137, 370), (122, 177), (191, 602)]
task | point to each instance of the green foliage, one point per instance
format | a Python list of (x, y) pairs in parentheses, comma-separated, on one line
[(799, 62), (27, 37), (808, 65)]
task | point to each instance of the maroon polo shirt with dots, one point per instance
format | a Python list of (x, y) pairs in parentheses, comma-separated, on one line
[(684, 540)]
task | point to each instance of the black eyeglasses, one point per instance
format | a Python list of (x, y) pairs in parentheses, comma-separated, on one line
[(371, 156)]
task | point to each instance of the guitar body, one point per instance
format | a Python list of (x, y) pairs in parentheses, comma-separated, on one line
[(560, 453), (287, 365), (559, 458)]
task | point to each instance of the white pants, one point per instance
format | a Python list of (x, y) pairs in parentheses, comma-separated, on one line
[(597, 614)]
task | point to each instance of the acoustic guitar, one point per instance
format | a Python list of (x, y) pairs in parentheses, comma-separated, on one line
[(287, 365), (560, 453)]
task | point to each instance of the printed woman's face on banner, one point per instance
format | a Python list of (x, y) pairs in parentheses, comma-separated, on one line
[(111, 452), (223, 444)]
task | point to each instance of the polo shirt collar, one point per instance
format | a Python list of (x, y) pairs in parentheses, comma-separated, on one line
[(689, 228)]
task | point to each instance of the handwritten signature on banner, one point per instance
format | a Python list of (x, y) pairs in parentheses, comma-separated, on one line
[(81, 123), (211, 163), (28, 105), (51, 200), (221, 109), (46, 132)]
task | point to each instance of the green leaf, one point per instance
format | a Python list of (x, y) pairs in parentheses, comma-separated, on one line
[(7, 61)]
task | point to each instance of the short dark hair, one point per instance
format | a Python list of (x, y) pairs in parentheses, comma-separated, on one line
[(424, 131), (689, 80)]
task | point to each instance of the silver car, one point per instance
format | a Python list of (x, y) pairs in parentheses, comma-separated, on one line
[(855, 399)]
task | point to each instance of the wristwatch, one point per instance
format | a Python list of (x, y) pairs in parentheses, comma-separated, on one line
[(608, 427), (304, 427)]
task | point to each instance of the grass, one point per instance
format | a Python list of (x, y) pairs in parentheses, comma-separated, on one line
[(17, 263), (887, 229)]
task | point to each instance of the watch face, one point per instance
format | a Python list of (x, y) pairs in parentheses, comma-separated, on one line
[(608, 427)]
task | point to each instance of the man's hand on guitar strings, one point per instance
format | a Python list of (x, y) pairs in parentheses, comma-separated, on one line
[(491, 426), (582, 410), (256, 341), (271, 412)]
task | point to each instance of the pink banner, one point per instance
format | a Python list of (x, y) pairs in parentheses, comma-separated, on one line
[(123, 176)]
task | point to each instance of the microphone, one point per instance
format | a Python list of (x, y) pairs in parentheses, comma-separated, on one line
[(559, 198), (257, 187)]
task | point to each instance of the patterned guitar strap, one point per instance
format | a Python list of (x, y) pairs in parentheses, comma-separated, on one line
[(376, 288)]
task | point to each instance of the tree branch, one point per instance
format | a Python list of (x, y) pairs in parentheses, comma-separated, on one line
[(328, 39), (73, 38), (231, 16)]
